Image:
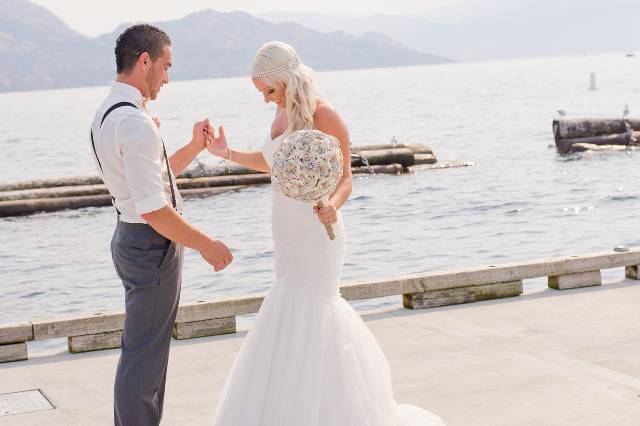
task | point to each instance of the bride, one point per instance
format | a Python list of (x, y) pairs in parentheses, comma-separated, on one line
[(309, 359)]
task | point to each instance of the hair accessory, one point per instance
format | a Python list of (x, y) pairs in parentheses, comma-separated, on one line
[(291, 63)]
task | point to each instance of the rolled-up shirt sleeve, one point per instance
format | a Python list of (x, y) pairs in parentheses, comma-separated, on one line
[(142, 157)]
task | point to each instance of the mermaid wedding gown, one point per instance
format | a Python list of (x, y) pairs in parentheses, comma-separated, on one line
[(309, 359)]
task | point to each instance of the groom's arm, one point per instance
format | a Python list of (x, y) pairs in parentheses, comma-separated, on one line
[(181, 159), (171, 225)]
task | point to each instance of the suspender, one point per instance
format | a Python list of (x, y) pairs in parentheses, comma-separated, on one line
[(164, 152)]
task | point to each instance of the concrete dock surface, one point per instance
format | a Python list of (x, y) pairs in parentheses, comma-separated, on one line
[(550, 357)]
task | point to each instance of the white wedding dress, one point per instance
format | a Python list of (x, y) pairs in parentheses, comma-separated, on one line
[(309, 359)]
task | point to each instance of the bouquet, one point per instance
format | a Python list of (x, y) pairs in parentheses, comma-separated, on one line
[(307, 167)]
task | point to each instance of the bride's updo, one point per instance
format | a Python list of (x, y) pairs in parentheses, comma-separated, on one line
[(277, 64)]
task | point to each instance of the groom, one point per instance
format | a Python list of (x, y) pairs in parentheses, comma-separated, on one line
[(147, 245)]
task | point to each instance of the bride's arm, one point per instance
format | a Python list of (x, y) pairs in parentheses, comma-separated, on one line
[(329, 121), (250, 159)]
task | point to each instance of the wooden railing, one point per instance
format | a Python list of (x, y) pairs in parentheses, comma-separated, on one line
[(209, 318)]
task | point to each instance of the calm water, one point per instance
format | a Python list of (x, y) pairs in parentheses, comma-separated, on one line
[(521, 201)]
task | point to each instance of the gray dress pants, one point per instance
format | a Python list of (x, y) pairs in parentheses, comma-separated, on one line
[(150, 267)]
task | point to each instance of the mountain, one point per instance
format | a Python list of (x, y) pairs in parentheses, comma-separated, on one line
[(482, 29), (39, 51)]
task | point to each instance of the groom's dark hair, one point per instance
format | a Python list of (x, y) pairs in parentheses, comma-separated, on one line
[(136, 40)]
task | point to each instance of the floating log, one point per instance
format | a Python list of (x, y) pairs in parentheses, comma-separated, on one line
[(438, 166), (415, 148), (402, 156), (14, 203), (88, 181), (54, 192), (30, 206), (202, 170), (583, 127), (582, 147), (218, 181), (51, 183), (183, 184), (50, 195), (579, 135), (22, 207), (196, 172), (425, 159), (565, 146)]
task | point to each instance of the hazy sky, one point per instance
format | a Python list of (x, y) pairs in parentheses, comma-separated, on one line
[(93, 17)]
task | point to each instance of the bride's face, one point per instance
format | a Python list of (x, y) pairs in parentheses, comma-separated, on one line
[(273, 94)]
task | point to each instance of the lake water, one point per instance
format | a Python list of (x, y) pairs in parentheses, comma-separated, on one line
[(520, 201)]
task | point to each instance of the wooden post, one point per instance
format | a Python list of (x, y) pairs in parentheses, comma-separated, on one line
[(210, 327), (13, 338), (576, 280), (94, 342), (13, 352), (457, 295), (631, 272)]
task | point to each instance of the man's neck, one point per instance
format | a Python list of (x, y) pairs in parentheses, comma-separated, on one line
[(125, 79)]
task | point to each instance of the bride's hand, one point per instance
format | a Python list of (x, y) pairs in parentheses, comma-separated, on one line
[(328, 214), (218, 145)]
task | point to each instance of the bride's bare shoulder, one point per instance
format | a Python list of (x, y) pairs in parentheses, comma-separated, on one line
[(327, 120)]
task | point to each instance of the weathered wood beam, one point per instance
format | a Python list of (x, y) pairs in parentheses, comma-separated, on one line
[(78, 326), (16, 333), (94, 342), (210, 327), (13, 352), (455, 296)]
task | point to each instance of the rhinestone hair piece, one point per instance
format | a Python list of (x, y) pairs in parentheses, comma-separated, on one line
[(291, 64)]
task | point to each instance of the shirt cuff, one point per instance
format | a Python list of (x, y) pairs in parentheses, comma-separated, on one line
[(151, 204)]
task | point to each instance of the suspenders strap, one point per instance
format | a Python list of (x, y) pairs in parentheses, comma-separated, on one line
[(164, 151)]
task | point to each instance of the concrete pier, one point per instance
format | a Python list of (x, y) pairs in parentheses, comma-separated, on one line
[(544, 358)]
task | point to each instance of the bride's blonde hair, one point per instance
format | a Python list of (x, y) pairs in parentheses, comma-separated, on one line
[(277, 63)]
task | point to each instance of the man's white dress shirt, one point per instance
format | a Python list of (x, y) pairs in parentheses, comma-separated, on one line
[(129, 147)]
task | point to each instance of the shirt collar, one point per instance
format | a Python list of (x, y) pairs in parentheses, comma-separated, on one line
[(129, 91)]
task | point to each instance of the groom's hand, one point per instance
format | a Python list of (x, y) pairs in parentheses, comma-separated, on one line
[(216, 254), (201, 133)]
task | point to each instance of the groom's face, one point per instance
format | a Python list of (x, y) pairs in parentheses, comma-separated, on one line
[(158, 73)]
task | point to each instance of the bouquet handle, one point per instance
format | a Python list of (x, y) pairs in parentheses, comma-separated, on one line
[(328, 228)]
